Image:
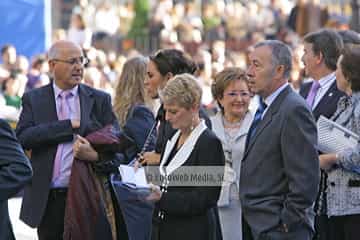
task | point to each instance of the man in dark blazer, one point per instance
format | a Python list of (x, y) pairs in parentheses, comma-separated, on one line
[(15, 171), (321, 52), (280, 169), (51, 117)]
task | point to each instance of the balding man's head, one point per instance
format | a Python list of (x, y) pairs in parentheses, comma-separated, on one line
[(61, 46), (66, 64)]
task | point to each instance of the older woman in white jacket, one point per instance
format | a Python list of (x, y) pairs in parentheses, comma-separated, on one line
[(231, 125)]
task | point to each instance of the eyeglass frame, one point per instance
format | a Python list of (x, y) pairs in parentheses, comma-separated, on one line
[(73, 61), (234, 94)]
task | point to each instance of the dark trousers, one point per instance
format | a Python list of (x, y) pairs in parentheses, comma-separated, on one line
[(297, 232), (344, 227), (322, 230), (52, 223), (246, 230), (121, 230)]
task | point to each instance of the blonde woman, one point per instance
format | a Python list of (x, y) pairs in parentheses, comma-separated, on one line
[(132, 107), (187, 212)]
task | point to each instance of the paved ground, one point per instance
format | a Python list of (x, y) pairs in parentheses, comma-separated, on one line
[(22, 231)]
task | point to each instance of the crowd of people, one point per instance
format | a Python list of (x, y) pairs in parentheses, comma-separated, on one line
[(80, 113), (58, 123), (215, 34)]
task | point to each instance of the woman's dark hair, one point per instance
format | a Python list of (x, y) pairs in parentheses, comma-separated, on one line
[(350, 66), (173, 61)]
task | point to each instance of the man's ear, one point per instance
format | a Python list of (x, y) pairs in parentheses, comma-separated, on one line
[(279, 71), (319, 58), (51, 67)]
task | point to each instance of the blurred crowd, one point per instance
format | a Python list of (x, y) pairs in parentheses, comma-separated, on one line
[(216, 34)]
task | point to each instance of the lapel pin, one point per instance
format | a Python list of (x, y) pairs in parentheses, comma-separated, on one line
[(330, 94)]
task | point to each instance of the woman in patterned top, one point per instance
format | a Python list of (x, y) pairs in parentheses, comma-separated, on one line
[(343, 193)]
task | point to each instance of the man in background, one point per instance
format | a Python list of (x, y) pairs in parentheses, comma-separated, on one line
[(321, 52)]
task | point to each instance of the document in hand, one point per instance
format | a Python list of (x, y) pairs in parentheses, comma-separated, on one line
[(334, 138), (131, 178)]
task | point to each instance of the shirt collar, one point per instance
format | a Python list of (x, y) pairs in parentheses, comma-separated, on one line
[(328, 79), (270, 99), (58, 90)]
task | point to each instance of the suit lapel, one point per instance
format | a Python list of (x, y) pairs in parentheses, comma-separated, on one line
[(86, 105), (331, 92), (47, 101), (305, 89), (274, 107)]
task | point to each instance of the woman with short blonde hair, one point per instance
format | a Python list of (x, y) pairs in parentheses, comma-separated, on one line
[(186, 212), (183, 90)]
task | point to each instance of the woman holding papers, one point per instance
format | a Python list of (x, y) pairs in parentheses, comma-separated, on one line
[(231, 125), (186, 202), (343, 193)]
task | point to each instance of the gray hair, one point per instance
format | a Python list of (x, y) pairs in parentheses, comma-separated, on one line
[(280, 54)]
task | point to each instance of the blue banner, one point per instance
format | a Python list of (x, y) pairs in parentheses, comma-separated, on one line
[(26, 24)]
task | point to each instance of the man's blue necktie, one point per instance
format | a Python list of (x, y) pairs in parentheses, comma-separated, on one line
[(255, 122)]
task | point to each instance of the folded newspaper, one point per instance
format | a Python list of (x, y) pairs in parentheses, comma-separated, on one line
[(334, 138)]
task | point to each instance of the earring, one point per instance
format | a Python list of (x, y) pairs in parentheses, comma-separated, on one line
[(192, 124)]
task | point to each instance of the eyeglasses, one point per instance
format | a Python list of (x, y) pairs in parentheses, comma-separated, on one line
[(236, 94), (72, 61)]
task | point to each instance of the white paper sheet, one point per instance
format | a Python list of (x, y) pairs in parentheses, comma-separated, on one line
[(133, 179), (334, 138)]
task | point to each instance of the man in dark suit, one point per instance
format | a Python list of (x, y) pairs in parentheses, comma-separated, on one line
[(321, 51), (280, 169), (15, 171), (50, 118)]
